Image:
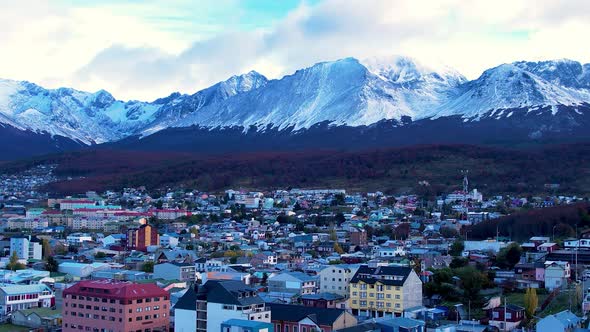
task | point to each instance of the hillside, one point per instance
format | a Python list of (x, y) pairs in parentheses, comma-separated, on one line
[(395, 170)]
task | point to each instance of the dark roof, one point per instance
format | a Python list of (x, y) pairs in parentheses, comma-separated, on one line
[(188, 301), (375, 274), (295, 313), (365, 327), (231, 292)]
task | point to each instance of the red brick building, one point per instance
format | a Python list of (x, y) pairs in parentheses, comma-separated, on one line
[(112, 306), (142, 237)]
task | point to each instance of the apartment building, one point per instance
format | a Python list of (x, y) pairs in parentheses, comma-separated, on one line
[(107, 305), (205, 308), (384, 291), (336, 278)]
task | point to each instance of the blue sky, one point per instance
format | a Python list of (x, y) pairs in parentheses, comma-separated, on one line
[(148, 49)]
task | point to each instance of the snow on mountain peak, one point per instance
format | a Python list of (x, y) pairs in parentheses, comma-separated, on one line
[(402, 69)]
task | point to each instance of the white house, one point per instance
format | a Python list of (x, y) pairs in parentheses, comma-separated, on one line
[(18, 297), (556, 274)]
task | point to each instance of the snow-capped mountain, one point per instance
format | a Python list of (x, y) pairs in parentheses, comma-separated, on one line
[(521, 85), (533, 98), (89, 118), (342, 92)]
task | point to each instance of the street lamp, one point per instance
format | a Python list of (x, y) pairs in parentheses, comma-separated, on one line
[(553, 230)]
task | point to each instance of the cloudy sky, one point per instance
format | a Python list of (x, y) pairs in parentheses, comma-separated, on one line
[(148, 49)]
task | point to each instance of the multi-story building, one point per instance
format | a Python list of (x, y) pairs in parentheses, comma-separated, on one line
[(18, 297), (384, 291), (26, 248), (73, 204), (142, 237), (205, 308), (175, 271), (336, 278), (358, 236), (106, 305), (76, 239), (33, 223)]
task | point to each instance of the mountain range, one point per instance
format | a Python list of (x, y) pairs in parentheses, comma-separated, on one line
[(342, 104)]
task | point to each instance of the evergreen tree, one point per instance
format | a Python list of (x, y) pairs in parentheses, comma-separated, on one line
[(51, 264)]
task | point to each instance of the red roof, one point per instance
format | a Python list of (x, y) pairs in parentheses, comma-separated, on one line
[(115, 290)]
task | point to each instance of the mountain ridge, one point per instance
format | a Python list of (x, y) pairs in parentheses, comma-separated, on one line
[(347, 92)]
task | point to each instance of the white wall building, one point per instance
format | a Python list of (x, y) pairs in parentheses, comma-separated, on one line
[(336, 278), (26, 249)]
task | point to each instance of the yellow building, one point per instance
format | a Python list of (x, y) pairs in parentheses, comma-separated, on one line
[(384, 291)]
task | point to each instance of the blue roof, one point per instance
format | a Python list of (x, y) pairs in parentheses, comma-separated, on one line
[(22, 289), (246, 323)]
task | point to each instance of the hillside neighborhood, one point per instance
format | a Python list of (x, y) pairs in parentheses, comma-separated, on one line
[(293, 260)]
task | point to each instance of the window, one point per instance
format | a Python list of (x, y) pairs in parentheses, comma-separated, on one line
[(496, 314), (508, 315), (278, 329), (397, 296)]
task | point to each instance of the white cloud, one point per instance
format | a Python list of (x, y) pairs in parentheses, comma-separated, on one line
[(128, 52)]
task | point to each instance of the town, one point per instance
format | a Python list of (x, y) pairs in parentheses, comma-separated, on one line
[(294, 260)]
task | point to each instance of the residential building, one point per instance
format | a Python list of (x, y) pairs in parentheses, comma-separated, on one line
[(142, 237), (336, 278), (19, 297), (76, 239), (292, 282), (556, 274), (44, 319), (175, 271), (506, 318), (205, 308), (564, 321), (324, 300), (296, 318), (169, 240), (384, 290), (358, 236), (26, 248), (115, 306)]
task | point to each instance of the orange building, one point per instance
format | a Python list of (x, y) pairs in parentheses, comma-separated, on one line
[(142, 237)]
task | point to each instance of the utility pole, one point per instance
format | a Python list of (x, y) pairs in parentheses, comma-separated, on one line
[(505, 327)]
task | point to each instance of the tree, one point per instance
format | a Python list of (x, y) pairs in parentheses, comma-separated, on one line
[(51, 264), (338, 248), (509, 256), (264, 279), (531, 301), (148, 267), (46, 249), (100, 255), (14, 264), (458, 262), (471, 282), (457, 248), (448, 232)]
